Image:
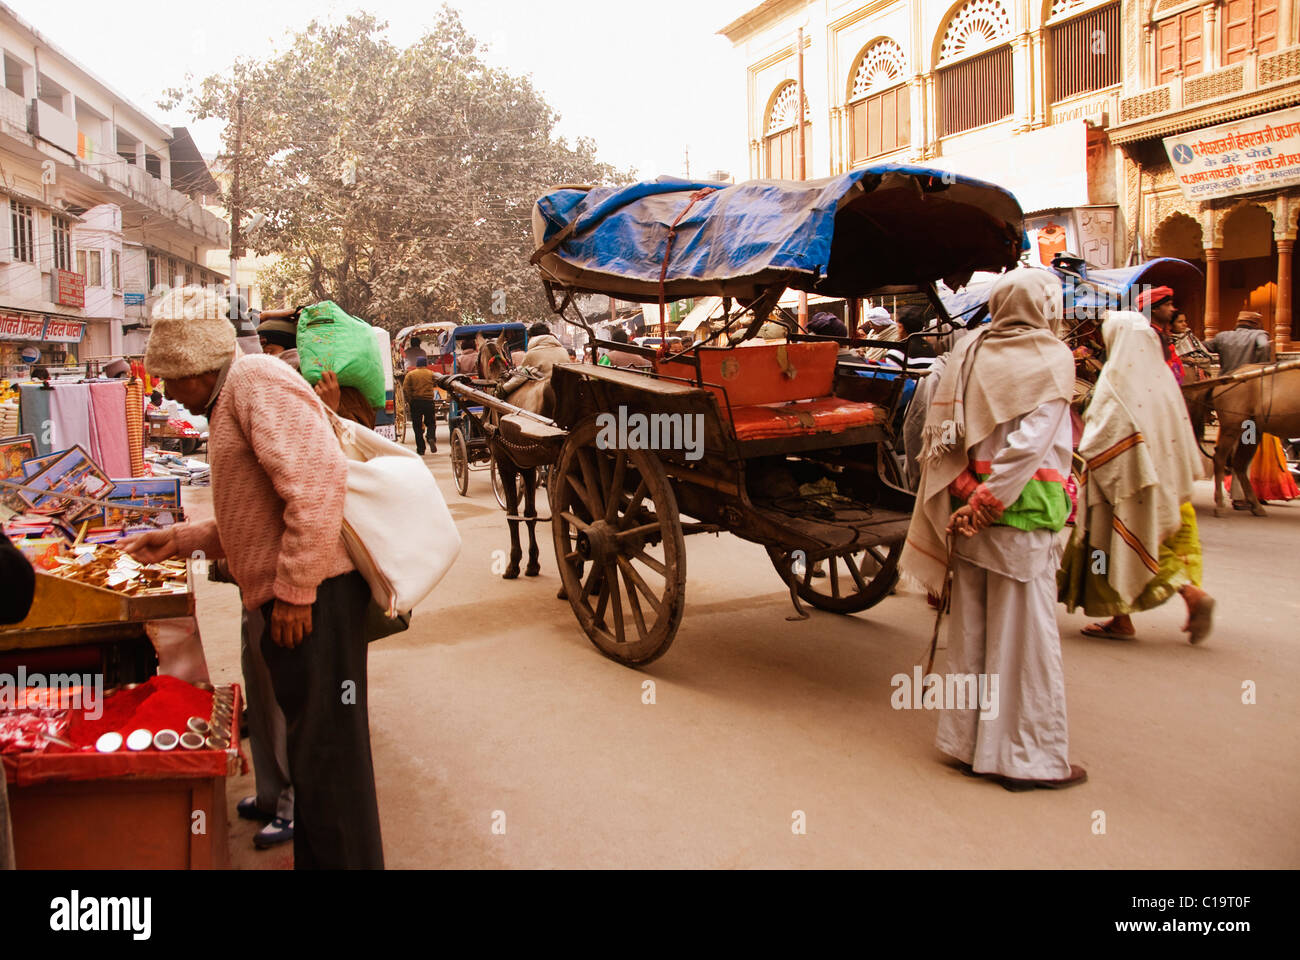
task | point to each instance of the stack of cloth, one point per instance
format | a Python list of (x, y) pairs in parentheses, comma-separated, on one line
[(9, 419), (191, 472)]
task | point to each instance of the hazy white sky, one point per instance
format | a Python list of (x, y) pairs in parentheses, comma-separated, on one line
[(644, 80)]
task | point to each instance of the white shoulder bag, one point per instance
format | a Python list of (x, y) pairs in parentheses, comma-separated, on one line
[(396, 525)]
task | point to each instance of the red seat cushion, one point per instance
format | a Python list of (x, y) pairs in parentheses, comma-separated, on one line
[(766, 421)]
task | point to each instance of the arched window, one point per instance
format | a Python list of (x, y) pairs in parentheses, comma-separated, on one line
[(780, 134), (1084, 38), (880, 109), (974, 70)]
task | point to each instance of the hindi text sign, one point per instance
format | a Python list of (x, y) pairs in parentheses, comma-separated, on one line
[(69, 289), (14, 326), (1245, 156), (64, 331)]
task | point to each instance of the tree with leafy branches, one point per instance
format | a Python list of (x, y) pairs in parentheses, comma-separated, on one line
[(398, 183)]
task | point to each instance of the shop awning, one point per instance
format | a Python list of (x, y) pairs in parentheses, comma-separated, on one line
[(705, 309)]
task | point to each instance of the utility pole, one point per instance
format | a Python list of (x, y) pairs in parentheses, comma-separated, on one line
[(236, 206), (801, 152)]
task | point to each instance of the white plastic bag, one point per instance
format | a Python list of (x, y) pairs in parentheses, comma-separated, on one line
[(396, 526)]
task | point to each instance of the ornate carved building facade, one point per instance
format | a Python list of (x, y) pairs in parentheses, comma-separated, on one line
[(1190, 65), (1064, 102)]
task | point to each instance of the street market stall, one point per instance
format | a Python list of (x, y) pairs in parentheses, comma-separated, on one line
[(90, 737), (80, 763)]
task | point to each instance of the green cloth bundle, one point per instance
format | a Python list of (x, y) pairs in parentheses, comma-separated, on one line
[(329, 338)]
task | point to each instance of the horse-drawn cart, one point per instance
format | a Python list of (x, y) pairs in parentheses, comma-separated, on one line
[(434, 337), (776, 443), (465, 414)]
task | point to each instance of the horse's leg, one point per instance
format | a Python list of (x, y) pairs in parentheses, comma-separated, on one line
[(1219, 457), (509, 480), (1224, 449), (530, 512), (1241, 470)]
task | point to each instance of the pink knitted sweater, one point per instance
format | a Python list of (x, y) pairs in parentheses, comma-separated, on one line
[(278, 481)]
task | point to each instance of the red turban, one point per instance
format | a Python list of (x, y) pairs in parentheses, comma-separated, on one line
[(1153, 298)]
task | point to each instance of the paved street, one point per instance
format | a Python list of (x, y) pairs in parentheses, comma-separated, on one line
[(496, 701)]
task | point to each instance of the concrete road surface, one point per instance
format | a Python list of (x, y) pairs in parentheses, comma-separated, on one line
[(503, 739)]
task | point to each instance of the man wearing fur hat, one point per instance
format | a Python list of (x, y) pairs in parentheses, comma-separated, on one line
[(278, 481)]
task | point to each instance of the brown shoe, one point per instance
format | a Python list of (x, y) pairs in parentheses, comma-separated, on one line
[(1077, 775)]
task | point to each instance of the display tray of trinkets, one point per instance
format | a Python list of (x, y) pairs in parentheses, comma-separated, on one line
[(97, 584)]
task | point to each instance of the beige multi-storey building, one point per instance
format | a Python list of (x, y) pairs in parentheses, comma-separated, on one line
[(1067, 103), (101, 209)]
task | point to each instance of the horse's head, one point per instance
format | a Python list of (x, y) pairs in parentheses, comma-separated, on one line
[(494, 358)]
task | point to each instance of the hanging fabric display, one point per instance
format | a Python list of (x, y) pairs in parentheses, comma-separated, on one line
[(135, 426)]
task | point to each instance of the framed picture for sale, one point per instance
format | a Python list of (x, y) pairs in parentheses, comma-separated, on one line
[(131, 493), (14, 451), (72, 473)]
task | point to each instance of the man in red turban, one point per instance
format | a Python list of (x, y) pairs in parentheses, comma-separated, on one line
[(1158, 304)]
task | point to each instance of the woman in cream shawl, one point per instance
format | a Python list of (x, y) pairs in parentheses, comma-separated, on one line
[(1135, 543), (996, 447)]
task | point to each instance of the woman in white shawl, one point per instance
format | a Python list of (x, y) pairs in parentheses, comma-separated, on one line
[(994, 457), (1135, 542)]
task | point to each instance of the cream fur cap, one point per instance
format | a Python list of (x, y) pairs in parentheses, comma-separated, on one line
[(190, 334)]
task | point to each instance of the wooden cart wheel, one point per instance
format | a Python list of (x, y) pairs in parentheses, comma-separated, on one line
[(399, 412), (853, 581), (619, 546), (498, 485), (460, 460)]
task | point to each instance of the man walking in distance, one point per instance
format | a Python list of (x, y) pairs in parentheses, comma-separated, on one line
[(420, 397), (997, 441), (278, 483)]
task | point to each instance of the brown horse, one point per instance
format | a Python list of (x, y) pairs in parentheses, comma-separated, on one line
[(534, 396), (1247, 409)]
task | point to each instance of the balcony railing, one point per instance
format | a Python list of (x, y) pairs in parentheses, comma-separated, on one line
[(13, 108), (144, 187), (1257, 73), (117, 174)]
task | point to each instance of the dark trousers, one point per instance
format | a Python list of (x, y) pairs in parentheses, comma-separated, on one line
[(321, 687), (425, 420)]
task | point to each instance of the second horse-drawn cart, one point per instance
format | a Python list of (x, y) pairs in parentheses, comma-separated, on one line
[(779, 444)]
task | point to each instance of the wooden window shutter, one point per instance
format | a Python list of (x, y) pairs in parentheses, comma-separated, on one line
[(1167, 48), (888, 122), (1237, 16), (903, 98), (1266, 23), (1193, 43), (858, 115)]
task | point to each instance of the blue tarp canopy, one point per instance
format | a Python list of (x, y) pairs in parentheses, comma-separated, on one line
[(887, 226), (1115, 289)]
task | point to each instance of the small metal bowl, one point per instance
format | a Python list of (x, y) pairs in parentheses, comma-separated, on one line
[(191, 740), (166, 739), (109, 742), (140, 739)]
